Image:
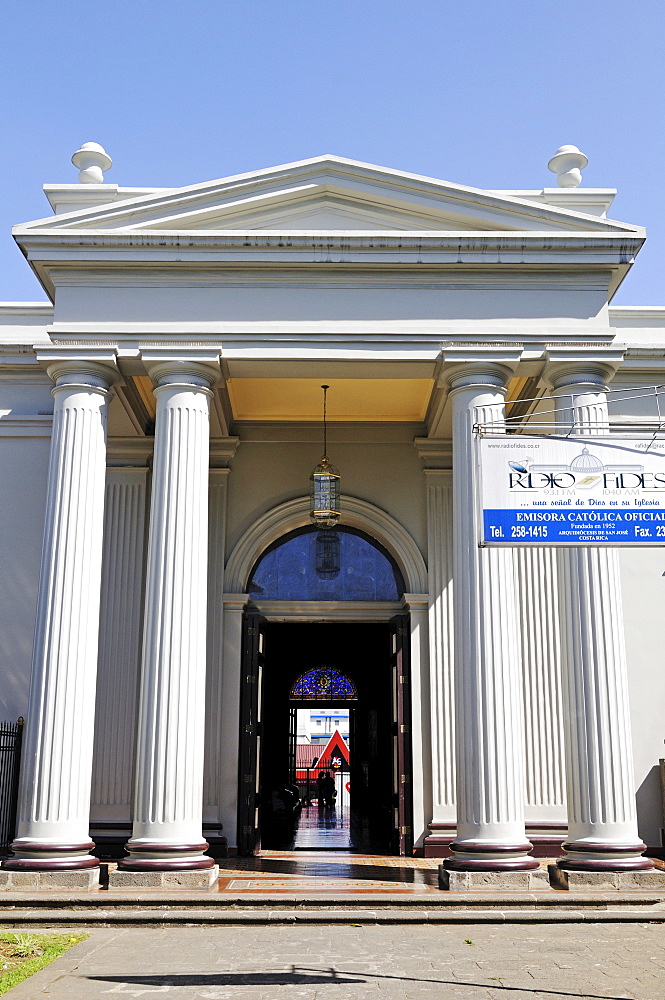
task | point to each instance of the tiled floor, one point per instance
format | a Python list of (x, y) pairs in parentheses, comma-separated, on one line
[(320, 860), (323, 871), (323, 828)]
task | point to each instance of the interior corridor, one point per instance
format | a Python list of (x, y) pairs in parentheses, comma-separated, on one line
[(323, 829)]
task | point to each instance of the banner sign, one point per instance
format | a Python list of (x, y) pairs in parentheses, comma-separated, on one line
[(548, 490)]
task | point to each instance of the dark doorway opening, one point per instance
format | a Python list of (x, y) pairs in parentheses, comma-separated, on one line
[(374, 657), (323, 735)]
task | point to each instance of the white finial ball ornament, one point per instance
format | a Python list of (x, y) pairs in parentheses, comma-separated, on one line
[(568, 163), (93, 161)]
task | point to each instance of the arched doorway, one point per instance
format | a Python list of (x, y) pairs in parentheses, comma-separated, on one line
[(346, 593)]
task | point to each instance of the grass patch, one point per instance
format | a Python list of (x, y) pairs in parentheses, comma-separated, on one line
[(22, 954)]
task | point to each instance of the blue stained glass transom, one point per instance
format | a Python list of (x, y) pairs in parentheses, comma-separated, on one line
[(306, 567), (323, 684)]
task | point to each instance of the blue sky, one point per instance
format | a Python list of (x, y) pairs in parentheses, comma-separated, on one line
[(478, 92)]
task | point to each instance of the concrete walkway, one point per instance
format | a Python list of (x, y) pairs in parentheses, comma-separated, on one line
[(486, 962)]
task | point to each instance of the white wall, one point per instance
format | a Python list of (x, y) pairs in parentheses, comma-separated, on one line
[(23, 471), (643, 583), (26, 406), (378, 464)]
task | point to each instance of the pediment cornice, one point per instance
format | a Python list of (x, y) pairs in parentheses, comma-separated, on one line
[(427, 202), (244, 245), (52, 254)]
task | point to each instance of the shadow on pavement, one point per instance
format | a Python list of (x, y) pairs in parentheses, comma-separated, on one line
[(299, 976), (293, 978)]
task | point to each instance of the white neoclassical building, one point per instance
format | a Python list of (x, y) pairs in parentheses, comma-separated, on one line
[(165, 591)]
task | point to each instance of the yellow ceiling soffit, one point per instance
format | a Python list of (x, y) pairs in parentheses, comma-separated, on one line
[(291, 399), (144, 388)]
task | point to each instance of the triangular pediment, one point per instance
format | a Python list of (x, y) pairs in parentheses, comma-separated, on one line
[(335, 747), (324, 194), (322, 211)]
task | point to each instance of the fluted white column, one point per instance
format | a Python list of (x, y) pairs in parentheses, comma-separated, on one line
[(538, 608), (441, 629), (119, 646), (231, 693), (214, 753), (167, 832), (54, 797), (602, 816), (421, 752), (488, 697)]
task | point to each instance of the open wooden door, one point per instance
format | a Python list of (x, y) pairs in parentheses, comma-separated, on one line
[(400, 665), (249, 801), (293, 741)]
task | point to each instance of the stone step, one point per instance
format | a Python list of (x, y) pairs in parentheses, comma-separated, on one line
[(191, 918), (107, 909)]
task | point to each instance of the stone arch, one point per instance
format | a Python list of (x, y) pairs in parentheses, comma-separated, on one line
[(356, 513)]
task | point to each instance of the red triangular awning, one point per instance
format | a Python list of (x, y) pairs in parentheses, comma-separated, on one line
[(334, 747), (307, 753)]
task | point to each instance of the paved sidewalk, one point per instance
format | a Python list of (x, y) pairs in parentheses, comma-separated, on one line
[(512, 962)]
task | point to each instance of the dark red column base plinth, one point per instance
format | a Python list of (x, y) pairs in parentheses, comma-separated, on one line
[(506, 862), (52, 865), (545, 839), (42, 857), (633, 861), (491, 864), (172, 863)]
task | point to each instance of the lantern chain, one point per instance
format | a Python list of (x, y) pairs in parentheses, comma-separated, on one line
[(325, 420)]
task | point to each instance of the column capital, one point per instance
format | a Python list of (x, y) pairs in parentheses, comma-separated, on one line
[(579, 366), (198, 368), (76, 366), (482, 365), (435, 453), (490, 359), (416, 602), (438, 477), (222, 452), (480, 374), (235, 602)]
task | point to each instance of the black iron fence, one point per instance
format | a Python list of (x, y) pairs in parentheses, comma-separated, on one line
[(11, 738)]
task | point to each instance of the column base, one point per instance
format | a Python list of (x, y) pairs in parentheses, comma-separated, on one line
[(603, 881), (81, 880), (497, 881), (162, 856), (194, 880), (586, 856), (479, 856), (438, 840), (41, 856)]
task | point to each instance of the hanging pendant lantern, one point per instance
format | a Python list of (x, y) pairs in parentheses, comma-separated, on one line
[(324, 493)]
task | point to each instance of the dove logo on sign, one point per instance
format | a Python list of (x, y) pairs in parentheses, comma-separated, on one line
[(584, 472)]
